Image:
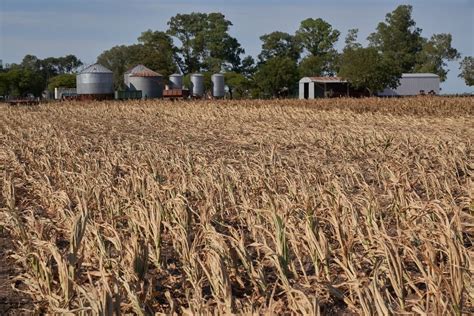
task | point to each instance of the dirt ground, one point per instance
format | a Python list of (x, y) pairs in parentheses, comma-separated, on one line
[(11, 302)]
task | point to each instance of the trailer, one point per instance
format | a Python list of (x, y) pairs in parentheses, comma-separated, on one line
[(174, 94), (23, 102)]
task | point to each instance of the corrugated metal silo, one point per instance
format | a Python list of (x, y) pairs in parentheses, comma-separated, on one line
[(218, 85), (95, 79), (176, 81), (149, 82), (197, 85)]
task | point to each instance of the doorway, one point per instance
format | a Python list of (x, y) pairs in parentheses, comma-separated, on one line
[(306, 90)]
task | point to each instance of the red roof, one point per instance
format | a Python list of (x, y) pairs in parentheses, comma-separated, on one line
[(142, 71)]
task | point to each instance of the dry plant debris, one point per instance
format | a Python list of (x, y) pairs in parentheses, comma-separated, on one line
[(247, 207)]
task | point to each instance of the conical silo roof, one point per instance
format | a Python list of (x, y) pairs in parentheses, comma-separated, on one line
[(95, 68), (142, 71)]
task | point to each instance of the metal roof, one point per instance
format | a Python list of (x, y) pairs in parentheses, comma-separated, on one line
[(142, 71), (419, 75), (327, 79), (95, 68)]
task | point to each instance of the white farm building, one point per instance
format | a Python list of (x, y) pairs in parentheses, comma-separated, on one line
[(410, 84), (414, 84)]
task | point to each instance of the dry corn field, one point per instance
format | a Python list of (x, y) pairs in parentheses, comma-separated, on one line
[(248, 207)]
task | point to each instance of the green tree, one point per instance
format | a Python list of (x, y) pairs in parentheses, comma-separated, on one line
[(206, 44), (158, 52), (119, 59), (277, 75), (467, 70), (248, 67), (317, 37), (31, 76), (279, 44), (31, 62), (436, 51), (20, 81), (351, 39), (399, 39), (366, 68), (5, 83), (52, 66), (63, 80), (311, 66), (238, 84), (69, 64)]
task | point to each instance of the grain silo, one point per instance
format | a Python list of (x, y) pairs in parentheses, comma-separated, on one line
[(149, 82), (95, 82), (218, 86), (197, 85), (176, 81)]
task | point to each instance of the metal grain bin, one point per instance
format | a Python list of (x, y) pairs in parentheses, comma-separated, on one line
[(149, 82), (176, 81), (94, 80), (197, 85), (218, 85)]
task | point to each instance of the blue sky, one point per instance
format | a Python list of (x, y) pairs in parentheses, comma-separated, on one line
[(85, 28)]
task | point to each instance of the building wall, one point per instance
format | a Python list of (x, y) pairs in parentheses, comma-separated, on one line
[(301, 88), (410, 86), (95, 83), (301, 91), (151, 87), (59, 92), (311, 90)]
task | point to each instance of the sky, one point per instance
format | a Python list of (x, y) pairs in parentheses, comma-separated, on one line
[(86, 28)]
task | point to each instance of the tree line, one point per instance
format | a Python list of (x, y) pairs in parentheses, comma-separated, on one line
[(201, 42), (34, 75)]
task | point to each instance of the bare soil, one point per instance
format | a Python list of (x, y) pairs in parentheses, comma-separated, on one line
[(12, 302)]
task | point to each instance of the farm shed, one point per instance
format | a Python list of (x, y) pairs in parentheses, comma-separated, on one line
[(323, 87), (414, 84)]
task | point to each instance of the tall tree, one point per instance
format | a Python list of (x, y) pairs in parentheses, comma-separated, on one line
[(317, 37), (436, 51), (351, 39), (68, 64), (206, 44), (366, 68), (279, 44), (398, 38), (158, 52), (277, 75), (31, 62), (119, 59), (467, 70), (312, 66), (248, 67)]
